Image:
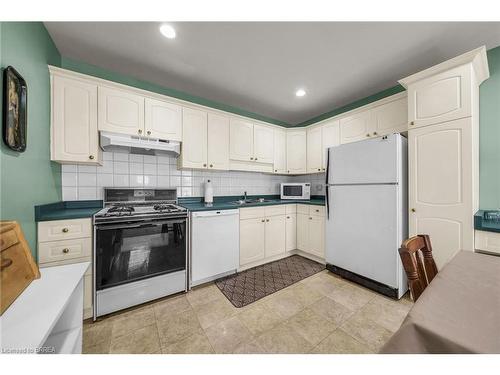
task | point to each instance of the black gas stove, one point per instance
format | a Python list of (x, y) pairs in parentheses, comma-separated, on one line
[(139, 204)]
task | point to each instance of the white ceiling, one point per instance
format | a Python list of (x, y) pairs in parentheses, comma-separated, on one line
[(258, 66)]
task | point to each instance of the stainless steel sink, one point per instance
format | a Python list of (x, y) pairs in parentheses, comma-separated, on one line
[(242, 202)]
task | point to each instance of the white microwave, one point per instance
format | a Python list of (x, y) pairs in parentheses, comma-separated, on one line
[(296, 190)]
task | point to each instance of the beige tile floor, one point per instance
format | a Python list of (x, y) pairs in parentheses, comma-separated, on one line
[(320, 314)]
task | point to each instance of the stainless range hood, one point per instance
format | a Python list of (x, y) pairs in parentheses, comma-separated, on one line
[(138, 145)]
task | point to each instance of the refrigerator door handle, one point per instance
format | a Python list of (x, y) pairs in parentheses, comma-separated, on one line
[(327, 186)]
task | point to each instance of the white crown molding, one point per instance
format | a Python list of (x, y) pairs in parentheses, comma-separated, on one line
[(477, 58)]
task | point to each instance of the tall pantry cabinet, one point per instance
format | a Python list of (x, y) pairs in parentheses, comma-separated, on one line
[(443, 152)]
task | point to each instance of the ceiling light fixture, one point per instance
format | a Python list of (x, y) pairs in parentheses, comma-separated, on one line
[(168, 31), (300, 92)]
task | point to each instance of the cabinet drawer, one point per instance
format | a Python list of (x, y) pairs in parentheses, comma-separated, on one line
[(61, 250), (487, 241), (291, 209), (8, 239), (64, 229), (275, 210), (252, 213), (303, 209), (317, 210)]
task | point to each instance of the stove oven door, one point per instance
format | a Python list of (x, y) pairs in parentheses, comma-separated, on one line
[(135, 251)]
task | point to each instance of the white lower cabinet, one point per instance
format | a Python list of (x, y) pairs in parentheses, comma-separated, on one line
[(311, 230), (268, 233), (63, 242), (252, 240), (291, 227), (275, 235), (262, 233), (316, 236), (488, 242)]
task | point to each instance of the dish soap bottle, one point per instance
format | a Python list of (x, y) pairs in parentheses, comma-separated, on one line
[(209, 193)]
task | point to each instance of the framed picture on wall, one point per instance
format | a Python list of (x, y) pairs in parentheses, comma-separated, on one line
[(15, 117)]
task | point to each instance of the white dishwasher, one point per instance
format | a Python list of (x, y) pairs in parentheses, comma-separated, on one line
[(215, 244)]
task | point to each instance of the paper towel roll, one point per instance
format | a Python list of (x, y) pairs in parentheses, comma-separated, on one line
[(209, 192)]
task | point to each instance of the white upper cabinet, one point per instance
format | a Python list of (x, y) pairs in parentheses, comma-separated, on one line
[(296, 144), (443, 97), (330, 137), (120, 111), (218, 141), (74, 136), (241, 140), (194, 139), (263, 144), (279, 151), (391, 117), (355, 127), (163, 120), (314, 150)]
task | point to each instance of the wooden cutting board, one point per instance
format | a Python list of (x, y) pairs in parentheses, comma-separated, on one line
[(17, 266)]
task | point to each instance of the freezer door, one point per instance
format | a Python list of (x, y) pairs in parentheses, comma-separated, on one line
[(371, 161), (362, 231)]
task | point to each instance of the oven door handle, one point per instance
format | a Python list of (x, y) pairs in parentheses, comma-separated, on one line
[(143, 225)]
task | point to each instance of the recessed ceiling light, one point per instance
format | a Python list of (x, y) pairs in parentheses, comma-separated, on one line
[(300, 92), (168, 31)]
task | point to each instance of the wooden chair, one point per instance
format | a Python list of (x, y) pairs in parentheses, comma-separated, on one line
[(419, 265)]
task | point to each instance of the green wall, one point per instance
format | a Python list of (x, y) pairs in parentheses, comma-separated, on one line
[(489, 150), (29, 178)]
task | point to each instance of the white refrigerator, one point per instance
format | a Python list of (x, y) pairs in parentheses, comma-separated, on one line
[(367, 211)]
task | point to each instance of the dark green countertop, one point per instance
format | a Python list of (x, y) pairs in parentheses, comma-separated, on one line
[(67, 210), (489, 225), (225, 203)]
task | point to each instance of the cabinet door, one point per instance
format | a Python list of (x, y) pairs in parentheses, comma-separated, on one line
[(218, 142), (240, 140), (442, 97), (391, 117), (279, 151), (314, 150), (275, 236), (302, 232), (291, 232), (263, 144), (120, 111), (441, 186), (163, 120), (194, 138), (356, 127), (330, 137), (296, 151), (252, 242), (316, 243), (74, 121)]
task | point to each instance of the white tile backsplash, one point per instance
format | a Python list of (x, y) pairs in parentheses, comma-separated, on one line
[(129, 170)]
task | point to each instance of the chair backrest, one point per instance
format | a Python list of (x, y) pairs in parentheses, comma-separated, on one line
[(419, 265)]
